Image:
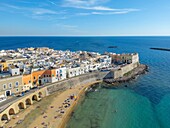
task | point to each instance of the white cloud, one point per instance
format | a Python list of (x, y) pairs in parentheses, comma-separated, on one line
[(41, 11), (99, 8), (119, 11), (95, 5), (86, 4), (53, 3), (123, 11), (81, 2), (35, 11), (54, 10)]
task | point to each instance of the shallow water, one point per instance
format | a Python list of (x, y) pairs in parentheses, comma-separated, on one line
[(118, 108)]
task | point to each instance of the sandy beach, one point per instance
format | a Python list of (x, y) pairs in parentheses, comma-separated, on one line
[(52, 112)]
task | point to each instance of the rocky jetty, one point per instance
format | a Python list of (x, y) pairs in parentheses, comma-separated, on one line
[(162, 49), (141, 69), (112, 47)]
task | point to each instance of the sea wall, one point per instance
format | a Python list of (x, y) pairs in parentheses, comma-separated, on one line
[(76, 81), (128, 76), (123, 70)]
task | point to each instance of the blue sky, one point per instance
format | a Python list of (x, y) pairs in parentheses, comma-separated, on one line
[(85, 17)]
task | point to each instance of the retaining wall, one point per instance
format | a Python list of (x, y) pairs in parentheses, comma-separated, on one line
[(123, 70), (76, 81)]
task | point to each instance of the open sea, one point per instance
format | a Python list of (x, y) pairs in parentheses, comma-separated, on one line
[(145, 103)]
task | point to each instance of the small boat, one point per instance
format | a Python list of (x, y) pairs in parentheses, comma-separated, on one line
[(96, 90), (115, 111), (112, 47)]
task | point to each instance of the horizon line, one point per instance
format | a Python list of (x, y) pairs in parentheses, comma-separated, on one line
[(84, 35)]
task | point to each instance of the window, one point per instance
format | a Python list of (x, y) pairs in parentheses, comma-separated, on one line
[(16, 84), (15, 73), (29, 81), (4, 86), (10, 85), (44, 75), (34, 78), (53, 75), (17, 90), (24, 83)]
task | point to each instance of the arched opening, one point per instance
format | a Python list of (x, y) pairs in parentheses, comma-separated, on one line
[(21, 105), (28, 102), (4, 117), (11, 111), (40, 94), (34, 98)]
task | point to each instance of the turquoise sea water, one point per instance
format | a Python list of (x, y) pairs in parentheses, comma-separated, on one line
[(120, 108), (145, 103)]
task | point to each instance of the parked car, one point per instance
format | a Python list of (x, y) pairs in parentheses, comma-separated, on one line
[(3, 98), (34, 87), (21, 94), (27, 91)]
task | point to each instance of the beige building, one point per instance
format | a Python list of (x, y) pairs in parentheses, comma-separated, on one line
[(125, 58), (10, 85)]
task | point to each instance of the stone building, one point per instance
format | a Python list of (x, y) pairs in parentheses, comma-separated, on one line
[(10, 85)]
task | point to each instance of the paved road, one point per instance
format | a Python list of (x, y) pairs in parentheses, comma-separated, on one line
[(8, 101), (15, 98)]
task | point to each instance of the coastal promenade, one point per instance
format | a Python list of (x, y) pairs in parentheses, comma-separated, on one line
[(13, 99)]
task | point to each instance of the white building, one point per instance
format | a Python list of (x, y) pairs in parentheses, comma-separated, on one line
[(94, 66), (14, 70), (72, 72), (105, 60), (61, 73)]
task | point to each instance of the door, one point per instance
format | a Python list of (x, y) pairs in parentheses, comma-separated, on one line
[(8, 93), (40, 82)]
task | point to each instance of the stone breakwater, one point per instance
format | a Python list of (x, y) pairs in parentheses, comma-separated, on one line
[(162, 49), (133, 74)]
